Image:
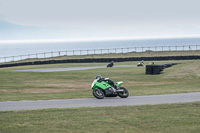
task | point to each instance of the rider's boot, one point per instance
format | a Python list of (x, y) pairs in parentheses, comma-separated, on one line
[(116, 87)]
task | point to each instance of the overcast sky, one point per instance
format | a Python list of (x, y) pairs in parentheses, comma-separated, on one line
[(106, 18)]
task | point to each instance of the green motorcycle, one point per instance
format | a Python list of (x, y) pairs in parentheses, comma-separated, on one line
[(103, 87)]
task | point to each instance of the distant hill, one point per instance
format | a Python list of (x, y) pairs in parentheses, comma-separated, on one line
[(10, 31)]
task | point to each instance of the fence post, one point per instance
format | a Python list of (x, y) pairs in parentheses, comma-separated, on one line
[(112, 50)]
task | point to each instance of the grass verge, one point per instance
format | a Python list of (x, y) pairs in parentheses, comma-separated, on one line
[(165, 118), (181, 78)]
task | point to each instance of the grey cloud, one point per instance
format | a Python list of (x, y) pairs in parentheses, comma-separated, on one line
[(69, 11), (104, 17)]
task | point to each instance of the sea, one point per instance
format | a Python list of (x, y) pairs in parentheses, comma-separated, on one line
[(19, 49)]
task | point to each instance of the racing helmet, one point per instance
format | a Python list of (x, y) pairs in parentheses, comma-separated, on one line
[(98, 77)]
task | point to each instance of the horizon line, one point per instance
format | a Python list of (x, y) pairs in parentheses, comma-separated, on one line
[(97, 39)]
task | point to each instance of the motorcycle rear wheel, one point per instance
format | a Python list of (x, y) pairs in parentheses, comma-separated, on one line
[(123, 94), (98, 93)]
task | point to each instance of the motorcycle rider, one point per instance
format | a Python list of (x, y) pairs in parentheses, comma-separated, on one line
[(111, 64), (100, 79)]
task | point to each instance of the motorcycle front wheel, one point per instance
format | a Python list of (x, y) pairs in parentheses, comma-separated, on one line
[(123, 94), (98, 93)]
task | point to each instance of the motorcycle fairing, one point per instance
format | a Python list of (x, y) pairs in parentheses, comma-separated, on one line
[(102, 85), (119, 83)]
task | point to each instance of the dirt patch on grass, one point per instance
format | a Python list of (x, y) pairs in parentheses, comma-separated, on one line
[(68, 85), (42, 91), (147, 83), (50, 90)]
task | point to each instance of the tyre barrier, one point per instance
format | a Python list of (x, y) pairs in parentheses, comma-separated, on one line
[(102, 60), (157, 69)]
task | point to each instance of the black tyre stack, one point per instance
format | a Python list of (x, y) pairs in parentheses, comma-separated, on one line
[(157, 69)]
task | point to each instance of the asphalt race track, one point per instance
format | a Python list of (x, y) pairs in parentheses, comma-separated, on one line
[(93, 102), (70, 68)]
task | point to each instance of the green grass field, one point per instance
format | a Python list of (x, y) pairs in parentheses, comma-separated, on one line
[(173, 118), (181, 78)]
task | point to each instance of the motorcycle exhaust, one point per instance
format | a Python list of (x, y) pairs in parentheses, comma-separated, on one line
[(120, 90)]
